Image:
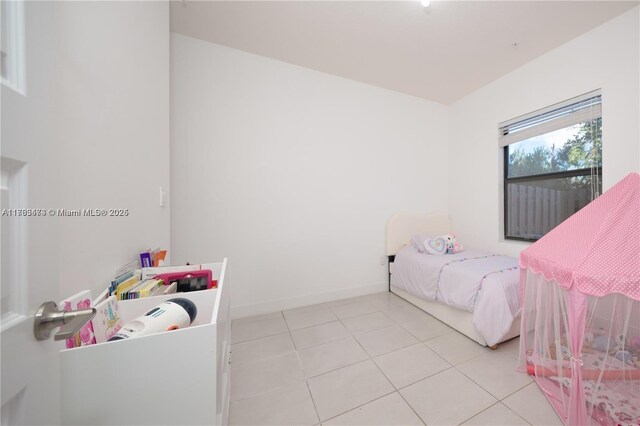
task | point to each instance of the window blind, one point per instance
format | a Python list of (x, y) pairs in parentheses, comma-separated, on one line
[(577, 110)]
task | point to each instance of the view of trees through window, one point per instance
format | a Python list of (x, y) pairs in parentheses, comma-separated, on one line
[(550, 177), (571, 148)]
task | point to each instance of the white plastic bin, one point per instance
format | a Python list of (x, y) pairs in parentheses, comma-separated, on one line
[(172, 378)]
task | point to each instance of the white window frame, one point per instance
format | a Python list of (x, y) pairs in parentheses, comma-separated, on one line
[(563, 114)]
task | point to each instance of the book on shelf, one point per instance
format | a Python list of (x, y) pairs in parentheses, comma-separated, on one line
[(133, 292), (107, 321), (85, 336), (149, 288), (101, 297), (142, 289), (127, 285), (158, 256), (127, 269), (153, 258), (119, 280), (146, 259), (169, 289)]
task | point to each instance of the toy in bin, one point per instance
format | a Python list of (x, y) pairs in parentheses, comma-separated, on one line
[(170, 315), (188, 281)]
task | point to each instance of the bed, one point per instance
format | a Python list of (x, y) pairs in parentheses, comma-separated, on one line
[(476, 293)]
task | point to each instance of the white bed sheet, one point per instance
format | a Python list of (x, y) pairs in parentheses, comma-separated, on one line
[(482, 283)]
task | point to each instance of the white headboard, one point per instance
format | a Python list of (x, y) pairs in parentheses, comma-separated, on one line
[(402, 226)]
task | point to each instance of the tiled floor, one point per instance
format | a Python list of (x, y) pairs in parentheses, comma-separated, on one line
[(374, 360)]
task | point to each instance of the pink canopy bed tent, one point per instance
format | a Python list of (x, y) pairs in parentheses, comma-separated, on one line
[(580, 330)]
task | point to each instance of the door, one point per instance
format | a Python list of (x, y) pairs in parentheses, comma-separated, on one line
[(30, 369)]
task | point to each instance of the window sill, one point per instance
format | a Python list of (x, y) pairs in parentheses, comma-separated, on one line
[(514, 241)]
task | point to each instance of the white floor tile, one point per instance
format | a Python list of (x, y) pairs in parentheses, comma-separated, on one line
[(530, 404), (496, 415), (263, 348), (342, 390), (407, 314), (303, 309), (319, 334), (331, 356), (269, 366), (382, 295), (427, 328), (310, 318), (368, 322), (265, 375), (495, 372), (354, 309), (348, 301), (411, 364), (387, 300), (256, 318), (510, 348), (385, 340), (456, 348), (390, 410), (448, 398), (290, 405), (255, 330)]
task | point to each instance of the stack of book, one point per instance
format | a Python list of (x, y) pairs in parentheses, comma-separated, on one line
[(135, 288), (153, 258), (130, 285)]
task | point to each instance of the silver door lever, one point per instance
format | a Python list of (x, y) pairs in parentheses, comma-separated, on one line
[(49, 317)]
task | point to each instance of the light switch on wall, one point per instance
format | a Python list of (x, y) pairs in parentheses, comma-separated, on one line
[(163, 197)]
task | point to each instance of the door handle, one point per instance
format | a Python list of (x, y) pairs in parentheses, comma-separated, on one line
[(49, 317)]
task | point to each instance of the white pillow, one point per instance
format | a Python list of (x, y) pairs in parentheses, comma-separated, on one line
[(417, 241), (437, 245)]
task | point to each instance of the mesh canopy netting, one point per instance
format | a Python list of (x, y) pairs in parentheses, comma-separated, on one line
[(580, 335)]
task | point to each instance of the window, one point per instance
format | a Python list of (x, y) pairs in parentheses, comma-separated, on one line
[(552, 165)]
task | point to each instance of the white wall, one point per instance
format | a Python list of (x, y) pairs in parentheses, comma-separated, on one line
[(113, 121), (292, 173), (608, 57)]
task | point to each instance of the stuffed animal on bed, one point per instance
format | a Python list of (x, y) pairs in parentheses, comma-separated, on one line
[(634, 343), (618, 344), (563, 353), (444, 244), (453, 245), (624, 356), (559, 349), (602, 343), (634, 346), (596, 339)]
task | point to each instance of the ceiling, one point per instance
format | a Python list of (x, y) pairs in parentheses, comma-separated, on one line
[(441, 53)]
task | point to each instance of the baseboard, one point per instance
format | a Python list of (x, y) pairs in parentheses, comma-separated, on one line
[(242, 311)]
